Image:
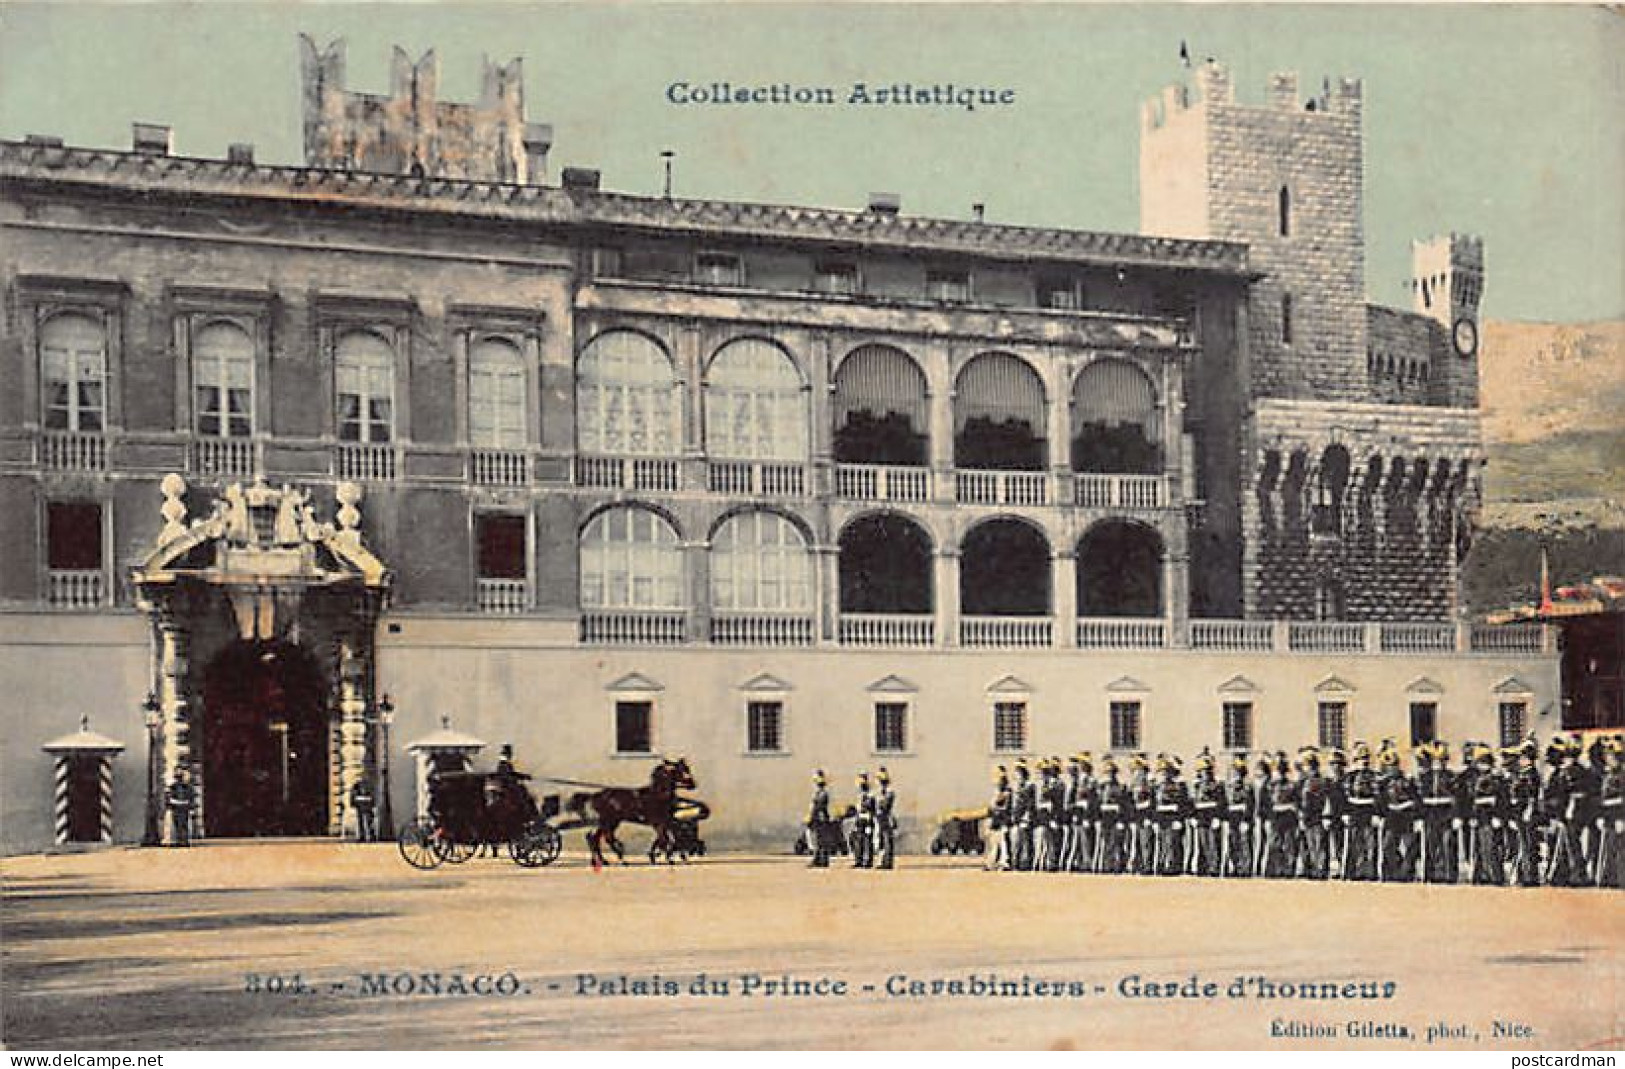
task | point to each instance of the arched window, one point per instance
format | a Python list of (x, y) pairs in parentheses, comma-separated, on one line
[(880, 408), (1284, 212), (999, 415), (631, 559), (364, 375), (1120, 571), (885, 566), (1286, 319), (1114, 420), (1004, 570), (755, 407), (73, 359), (627, 397), (496, 394), (223, 380), (759, 562)]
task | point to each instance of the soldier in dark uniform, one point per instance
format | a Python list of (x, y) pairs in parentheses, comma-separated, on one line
[(179, 799), (817, 821), (1069, 831), (364, 804), (1490, 806), (885, 821), (1143, 800), (1023, 815), (1610, 821), (1263, 776), (1523, 796), (1566, 804), (1172, 802), (1591, 772), (1047, 823), (1437, 787), (1240, 810), (1401, 812), (1085, 814), (1207, 818), (1360, 818), (998, 822), (1337, 764), (1113, 824), (1314, 795), (863, 828), (1281, 828)]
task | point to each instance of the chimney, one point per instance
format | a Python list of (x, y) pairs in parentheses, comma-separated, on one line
[(885, 203), (538, 141), (152, 139), (583, 178), (979, 211), (240, 152)]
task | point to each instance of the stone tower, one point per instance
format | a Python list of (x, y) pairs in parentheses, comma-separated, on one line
[(411, 131), (1447, 283), (1284, 177)]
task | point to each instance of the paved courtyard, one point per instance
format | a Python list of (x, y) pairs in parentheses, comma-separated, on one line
[(329, 945)]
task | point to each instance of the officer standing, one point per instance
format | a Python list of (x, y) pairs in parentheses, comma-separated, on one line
[(1085, 814), (1114, 813), (1172, 810), (1524, 796), (1069, 825), (1489, 810), (1207, 805), (863, 832), (1566, 803), (1314, 797), (885, 821), (1437, 787), (1143, 799), (1360, 820), (1611, 818), (364, 804), (1261, 809), (1024, 814), (1337, 764), (1281, 832), (179, 799), (818, 821), (998, 821), (1401, 809), (1239, 810)]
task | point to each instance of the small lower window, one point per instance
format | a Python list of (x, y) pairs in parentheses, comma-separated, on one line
[(891, 727), (634, 723), (1334, 725), (1424, 722), (1125, 725), (764, 727), (501, 541), (1010, 726)]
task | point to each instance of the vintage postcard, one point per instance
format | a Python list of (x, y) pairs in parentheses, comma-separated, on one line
[(857, 526)]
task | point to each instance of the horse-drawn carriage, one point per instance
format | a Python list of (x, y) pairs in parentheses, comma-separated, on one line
[(469, 811)]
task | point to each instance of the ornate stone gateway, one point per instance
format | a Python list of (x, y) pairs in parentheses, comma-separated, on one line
[(264, 623)]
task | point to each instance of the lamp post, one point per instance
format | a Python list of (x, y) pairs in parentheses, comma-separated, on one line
[(152, 715), (386, 817)]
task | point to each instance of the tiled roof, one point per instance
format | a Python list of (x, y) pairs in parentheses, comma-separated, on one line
[(141, 172)]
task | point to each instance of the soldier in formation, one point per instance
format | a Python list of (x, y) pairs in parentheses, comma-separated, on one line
[(1357, 816)]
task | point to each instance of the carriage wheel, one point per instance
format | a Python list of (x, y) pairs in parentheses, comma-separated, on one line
[(419, 846), (538, 845), (457, 851)]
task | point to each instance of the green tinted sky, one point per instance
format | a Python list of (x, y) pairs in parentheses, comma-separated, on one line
[(1503, 121)]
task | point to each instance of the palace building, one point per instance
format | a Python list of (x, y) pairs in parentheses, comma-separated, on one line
[(306, 471)]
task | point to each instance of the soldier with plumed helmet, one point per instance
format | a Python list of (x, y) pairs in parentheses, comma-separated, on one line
[(999, 812), (1240, 811), (1024, 815), (817, 821), (885, 846), (1401, 809), (1436, 785), (1314, 798), (863, 830), (1207, 818), (1281, 829), (1113, 827)]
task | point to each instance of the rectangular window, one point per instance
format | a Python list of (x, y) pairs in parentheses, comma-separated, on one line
[(73, 358), (719, 269), (634, 727), (501, 541), (950, 286), (1238, 725), (1010, 726), (606, 262), (1424, 722), (223, 378), (1060, 293), (1286, 319), (1514, 722), (1125, 726), (836, 277), (1334, 725), (73, 536), (764, 727), (891, 727)]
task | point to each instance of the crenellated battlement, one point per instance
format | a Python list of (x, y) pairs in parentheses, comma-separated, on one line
[(1210, 84), (411, 131)]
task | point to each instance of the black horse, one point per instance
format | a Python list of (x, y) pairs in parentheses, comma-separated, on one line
[(652, 805)]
